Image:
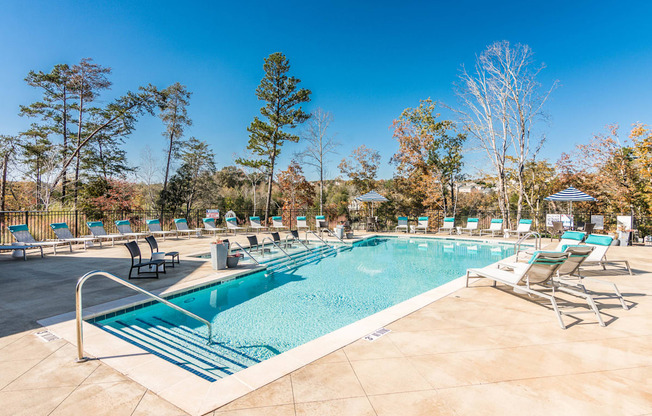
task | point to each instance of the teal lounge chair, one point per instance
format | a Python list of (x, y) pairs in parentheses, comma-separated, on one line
[(22, 235)]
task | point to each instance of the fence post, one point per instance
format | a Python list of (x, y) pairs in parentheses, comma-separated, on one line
[(77, 224), (27, 218)]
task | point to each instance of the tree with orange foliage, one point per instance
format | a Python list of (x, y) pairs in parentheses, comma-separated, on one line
[(296, 191), (429, 155)]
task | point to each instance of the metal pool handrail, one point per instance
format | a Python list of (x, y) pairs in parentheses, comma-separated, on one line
[(278, 247), (332, 234), (289, 236), (78, 308), (318, 237), (245, 251), (537, 242)]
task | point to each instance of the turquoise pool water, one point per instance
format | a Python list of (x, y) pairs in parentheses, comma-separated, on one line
[(258, 316)]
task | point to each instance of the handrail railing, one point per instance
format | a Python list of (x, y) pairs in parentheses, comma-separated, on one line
[(318, 237), (537, 242), (332, 234), (245, 251), (78, 307), (297, 239), (278, 247)]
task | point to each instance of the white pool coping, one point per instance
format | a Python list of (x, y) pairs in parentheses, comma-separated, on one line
[(198, 396)]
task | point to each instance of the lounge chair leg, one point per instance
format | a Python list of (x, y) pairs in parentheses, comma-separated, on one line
[(593, 306), (554, 306)]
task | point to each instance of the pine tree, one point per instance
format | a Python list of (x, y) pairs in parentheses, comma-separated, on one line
[(266, 138)]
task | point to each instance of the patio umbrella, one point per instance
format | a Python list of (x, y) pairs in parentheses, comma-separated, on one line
[(372, 197), (570, 194)]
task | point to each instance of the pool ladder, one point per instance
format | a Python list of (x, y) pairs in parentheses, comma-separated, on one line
[(80, 320), (537, 242)]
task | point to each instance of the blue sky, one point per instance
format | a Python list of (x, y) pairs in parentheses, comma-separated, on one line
[(364, 61)]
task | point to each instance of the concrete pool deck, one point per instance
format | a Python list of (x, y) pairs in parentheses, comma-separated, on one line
[(478, 350)]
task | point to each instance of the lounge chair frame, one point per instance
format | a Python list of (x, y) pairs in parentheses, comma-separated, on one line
[(134, 251)]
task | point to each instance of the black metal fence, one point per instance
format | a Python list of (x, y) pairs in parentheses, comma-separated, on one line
[(39, 221)]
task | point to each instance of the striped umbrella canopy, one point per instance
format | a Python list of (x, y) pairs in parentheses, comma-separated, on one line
[(371, 196), (570, 194)]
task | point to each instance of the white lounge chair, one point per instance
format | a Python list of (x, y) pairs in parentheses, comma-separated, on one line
[(98, 231), (523, 228), (277, 223), (402, 224), (569, 272), (21, 247), (63, 233), (124, 228), (321, 223), (22, 235), (448, 225), (496, 226), (182, 227), (155, 229), (209, 225), (254, 224), (535, 277), (302, 224), (422, 225), (601, 244), (232, 225), (471, 225)]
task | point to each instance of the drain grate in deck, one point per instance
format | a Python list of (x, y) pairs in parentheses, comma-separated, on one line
[(377, 334), (46, 336)]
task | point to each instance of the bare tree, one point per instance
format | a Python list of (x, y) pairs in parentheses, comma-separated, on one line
[(150, 173), (501, 103), (320, 145)]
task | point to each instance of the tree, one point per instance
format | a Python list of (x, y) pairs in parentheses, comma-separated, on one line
[(37, 149), (8, 146), (54, 109), (296, 191), (86, 81), (266, 138), (120, 114), (501, 103), (196, 170), (173, 102), (361, 167), (320, 145), (430, 153), (641, 135)]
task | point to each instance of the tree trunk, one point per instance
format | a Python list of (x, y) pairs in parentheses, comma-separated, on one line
[(270, 180), (79, 133), (3, 187), (321, 188), (64, 183)]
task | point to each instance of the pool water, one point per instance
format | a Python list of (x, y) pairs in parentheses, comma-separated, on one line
[(259, 316)]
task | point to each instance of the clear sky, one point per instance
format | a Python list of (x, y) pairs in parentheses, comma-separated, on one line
[(364, 61)]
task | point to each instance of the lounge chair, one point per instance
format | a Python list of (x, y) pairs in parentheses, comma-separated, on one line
[(134, 251), (320, 223), (63, 233), (98, 231), (153, 245), (232, 225), (569, 238), (124, 228), (569, 272), (557, 229), (422, 225), (448, 225), (402, 224), (277, 223), (496, 226), (209, 225), (182, 227), (537, 274), (471, 225), (22, 235), (155, 229), (254, 224), (21, 247), (601, 244), (523, 228), (302, 224)]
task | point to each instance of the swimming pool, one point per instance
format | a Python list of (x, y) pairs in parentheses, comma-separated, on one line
[(260, 315)]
